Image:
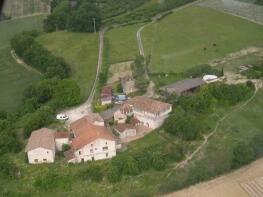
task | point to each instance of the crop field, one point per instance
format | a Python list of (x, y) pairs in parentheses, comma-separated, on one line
[(17, 8), (80, 50), (13, 77), (122, 43), (196, 35)]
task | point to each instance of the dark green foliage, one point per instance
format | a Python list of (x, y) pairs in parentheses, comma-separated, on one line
[(158, 160), (185, 126), (3, 114), (204, 69), (174, 152), (242, 154), (93, 172), (114, 175), (7, 168), (256, 72), (36, 56), (52, 181), (65, 147), (229, 94), (42, 117)]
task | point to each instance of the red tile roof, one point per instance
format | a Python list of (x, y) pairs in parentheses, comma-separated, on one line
[(123, 127), (85, 132), (106, 91), (61, 134)]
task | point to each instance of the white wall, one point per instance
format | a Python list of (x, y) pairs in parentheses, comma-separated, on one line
[(95, 150), (60, 142), (127, 133), (39, 154)]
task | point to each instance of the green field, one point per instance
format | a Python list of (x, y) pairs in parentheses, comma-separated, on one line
[(13, 77), (177, 42), (122, 43), (80, 50)]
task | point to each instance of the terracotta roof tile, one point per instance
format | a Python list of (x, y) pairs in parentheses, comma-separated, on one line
[(123, 127), (61, 134)]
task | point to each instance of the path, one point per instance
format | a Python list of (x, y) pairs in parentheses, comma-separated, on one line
[(22, 63), (79, 111), (183, 163)]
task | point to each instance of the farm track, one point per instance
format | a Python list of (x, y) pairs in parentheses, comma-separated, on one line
[(78, 112)]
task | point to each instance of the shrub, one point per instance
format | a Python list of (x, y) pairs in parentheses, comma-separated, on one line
[(201, 70), (93, 172), (7, 168), (174, 152), (158, 160), (242, 154), (114, 175)]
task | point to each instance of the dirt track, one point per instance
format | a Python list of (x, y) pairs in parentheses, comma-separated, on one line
[(228, 185)]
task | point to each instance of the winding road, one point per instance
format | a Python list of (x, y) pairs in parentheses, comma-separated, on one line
[(78, 112)]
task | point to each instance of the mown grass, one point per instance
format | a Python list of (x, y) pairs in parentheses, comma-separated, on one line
[(13, 77), (196, 35), (122, 43), (80, 51)]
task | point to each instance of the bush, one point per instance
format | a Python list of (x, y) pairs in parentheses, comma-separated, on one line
[(7, 168), (204, 69), (114, 175), (174, 152), (93, 173), (242, 154)]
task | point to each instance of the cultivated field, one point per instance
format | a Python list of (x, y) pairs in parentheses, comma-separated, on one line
[(122, 43), (13, 77), (195, 35), (80, 50), (18, 8)]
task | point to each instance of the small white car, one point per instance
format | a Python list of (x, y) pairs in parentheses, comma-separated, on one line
[(62, 117)]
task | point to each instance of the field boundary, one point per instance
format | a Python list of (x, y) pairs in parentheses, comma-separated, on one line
[(23, 64)]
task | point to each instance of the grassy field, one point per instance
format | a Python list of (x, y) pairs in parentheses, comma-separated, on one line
[(80, 50), (17, 8), (195, 35), (13, 77), (122, 43)]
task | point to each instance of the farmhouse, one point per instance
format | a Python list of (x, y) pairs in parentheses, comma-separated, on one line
[(106, 95), (183, 86), (61, 138), (41, 146), (128, 84), (90, 142), (149, 112), (125, 130), (95, 119)]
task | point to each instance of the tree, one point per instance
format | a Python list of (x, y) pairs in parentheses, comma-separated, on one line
[(7, 168), (158, 160), (242, 154), (114, 175), (93, 172)]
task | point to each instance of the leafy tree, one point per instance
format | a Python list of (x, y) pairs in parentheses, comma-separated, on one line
[(158, 161), (7, 168), (175, 152), (114, 175), (242, 154), (93, 172)]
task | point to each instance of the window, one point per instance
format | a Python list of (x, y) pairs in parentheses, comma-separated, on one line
[(91, 150), (45, 160), (92, 158), (107, 154), (106, 142), (47, 152), (105, 148), (82, 159), (91, 145), (36, 160), (95, 148), (79, 152)]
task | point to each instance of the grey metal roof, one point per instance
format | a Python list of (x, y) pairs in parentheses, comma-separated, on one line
[(184, 85)]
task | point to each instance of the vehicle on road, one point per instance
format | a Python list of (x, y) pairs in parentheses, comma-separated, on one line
[(62, 117)]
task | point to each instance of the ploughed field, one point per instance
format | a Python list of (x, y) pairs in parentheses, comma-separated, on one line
[(14, 78), (80, 51), (196, 35)]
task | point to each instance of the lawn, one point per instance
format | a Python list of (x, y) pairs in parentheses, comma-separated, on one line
[(80, 50), (122, 43), (216, 157), (196, 35), (13, 77)]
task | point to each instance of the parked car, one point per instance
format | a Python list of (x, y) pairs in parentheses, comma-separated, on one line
[(62, 117)]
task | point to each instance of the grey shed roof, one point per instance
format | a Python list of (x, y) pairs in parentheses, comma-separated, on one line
[(184, 85), (42, 138)]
